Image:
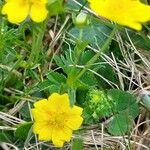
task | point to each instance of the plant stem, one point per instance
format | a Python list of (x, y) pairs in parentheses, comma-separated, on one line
[(38, 34)]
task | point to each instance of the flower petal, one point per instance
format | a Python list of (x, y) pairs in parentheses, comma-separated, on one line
[(38, 12), (41, 103), (74, 123), (131, 13), (60, 102), (135, 25), (43, 130), (40, 115), (60, 135), (76, 110), (16, 10)]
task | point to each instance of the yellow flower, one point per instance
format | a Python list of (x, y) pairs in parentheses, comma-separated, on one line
[(18, 10), (55, 119), (131, 13)]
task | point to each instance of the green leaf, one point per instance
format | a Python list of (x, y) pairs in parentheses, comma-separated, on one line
[(125, 110), (108, 73), (86, 56), (120, 124), (25, 112), (56, 78), (55, 83), (55, 7), (6, 136), (97, 32), (124, 102), (23, 130), (77, 144), (64, 61), (44, 85), (79, 48), (59, 61), (71, 5), (89, 79), (54, 89), (140, 40)]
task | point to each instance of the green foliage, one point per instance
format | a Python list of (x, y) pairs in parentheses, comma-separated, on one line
[(120, 124), (119, 104), (140, 40), (72, 96), (72, 6), (25, 112), (23, 130), (96, 31), (56, 78), (6, 136), (107, 71), (125, 102), (96, 106), (77, 144), (55, 7), (38, 59), (125, 110)]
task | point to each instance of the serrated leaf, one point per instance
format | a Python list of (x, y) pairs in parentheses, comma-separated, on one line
[(108, 73), (54, 89), (44, 85), (56, 78), (89, 79), (86, 56), (23, 130), (124, 102), (63, 62), (58, 61), (120, 124)]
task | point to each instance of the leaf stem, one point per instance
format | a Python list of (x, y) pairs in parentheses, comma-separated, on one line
[(38, 34)]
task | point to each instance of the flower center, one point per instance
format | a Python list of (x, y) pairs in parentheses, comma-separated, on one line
[(59, 120)]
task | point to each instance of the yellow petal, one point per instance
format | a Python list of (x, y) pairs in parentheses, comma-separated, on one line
[(60, 135), (73, 118), (16, 10), (76, 110), (38, 12), (40, 115), (41, 103), (74, 123), (58, 143), (60, 102), (131, 13), (135, 25), (43, 130)]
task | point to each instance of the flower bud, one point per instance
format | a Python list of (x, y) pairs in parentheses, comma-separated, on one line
[(81, 20)]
